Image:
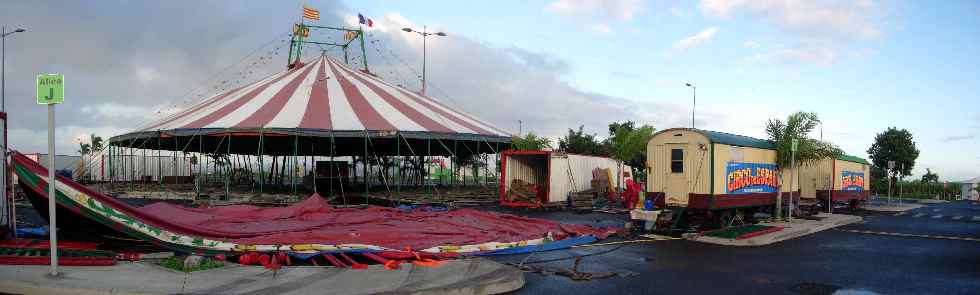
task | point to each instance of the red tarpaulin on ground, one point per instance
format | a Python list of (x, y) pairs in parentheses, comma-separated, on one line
[(315, 221), (312, 221)]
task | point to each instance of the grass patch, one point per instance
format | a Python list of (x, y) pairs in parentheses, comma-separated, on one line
[(177, 263), (735, 232)]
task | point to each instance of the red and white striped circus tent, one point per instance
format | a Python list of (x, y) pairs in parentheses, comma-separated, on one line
[(318, 108)]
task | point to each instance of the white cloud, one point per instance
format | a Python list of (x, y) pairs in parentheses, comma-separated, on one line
[(624, 10), (697, 39), (114, 110), (599, 28), (812, 19), (750, 44)]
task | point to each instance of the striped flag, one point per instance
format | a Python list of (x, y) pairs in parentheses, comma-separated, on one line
[(310, 13)]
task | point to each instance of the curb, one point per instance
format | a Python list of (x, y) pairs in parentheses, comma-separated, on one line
[(16, 287), (785, 234)]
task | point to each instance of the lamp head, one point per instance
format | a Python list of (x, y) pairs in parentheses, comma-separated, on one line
[(441, 34), (407, 30), (19, 30)]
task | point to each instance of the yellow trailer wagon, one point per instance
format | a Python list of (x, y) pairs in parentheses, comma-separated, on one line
[(713, 176)]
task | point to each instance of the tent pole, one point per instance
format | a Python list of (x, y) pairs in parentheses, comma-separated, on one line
[(261, 161), (364, 162), (456, 166), (158, 159), (174, 168), (292, 173), (110, 167), (398, 154), (428, 143), (200, 160), (230, 170), (313, 165)]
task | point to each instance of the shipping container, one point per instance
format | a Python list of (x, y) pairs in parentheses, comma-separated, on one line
[(843, 179), (554, 174)]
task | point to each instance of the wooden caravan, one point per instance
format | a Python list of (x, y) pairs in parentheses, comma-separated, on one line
[(845, 178), (708, 170)]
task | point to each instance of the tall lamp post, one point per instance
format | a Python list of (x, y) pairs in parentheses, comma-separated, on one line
[(9, 214), (694, 95), (424, 33)]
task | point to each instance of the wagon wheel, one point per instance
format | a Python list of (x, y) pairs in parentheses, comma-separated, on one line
[(855, 204), (725, 218)]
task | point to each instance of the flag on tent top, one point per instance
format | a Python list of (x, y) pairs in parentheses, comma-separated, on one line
[(365, 21), (310, 13)]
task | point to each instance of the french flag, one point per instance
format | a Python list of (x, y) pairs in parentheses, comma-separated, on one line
[(365, 21)]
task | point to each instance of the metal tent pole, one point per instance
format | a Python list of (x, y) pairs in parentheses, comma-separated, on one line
[(455, 166), (292, 174), (364, 162), (398, 154), (158, 159), (428, 143), (230, 170), (261, 161)]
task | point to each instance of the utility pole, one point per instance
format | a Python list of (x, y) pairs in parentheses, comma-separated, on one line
[(694, 104), (424, 33), (9, 215)]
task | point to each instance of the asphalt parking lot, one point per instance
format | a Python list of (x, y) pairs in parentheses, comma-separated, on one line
[(861, 258)]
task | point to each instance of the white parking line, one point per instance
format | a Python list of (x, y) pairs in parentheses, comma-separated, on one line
[(937, 210), (901, 213), (909, 235), (957, 217), (917, 215), (937, 216)]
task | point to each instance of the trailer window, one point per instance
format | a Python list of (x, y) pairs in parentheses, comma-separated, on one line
[(676, 161)]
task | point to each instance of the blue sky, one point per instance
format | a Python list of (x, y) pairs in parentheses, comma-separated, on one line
[(862, 65)]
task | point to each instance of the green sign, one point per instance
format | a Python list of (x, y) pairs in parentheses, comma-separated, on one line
[(50, 88), (796, 144)]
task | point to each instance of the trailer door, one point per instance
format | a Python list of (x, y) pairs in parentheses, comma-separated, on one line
[(677, 171)]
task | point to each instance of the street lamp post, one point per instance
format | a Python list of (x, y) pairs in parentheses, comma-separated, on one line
[(694, 95), (8, 212), (424, 33)]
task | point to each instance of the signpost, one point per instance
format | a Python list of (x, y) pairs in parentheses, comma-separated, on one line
[(792, 181), (891, 165), (51, 91)]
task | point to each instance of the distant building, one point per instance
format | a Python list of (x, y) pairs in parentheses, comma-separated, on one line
[(968, 186)]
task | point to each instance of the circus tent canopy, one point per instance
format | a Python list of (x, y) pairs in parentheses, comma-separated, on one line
[(303, 109)]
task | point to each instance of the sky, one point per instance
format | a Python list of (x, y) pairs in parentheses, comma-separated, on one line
[(862, 66)]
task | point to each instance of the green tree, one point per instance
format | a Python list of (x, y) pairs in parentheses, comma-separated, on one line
[(84, 148), (530, 141), (579, 142), (627, 143), (929, 176), (892, 145), (797, 126), (95, 144)]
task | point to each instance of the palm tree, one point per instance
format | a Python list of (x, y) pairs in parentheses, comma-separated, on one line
[(797, 126), (96, 142)]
